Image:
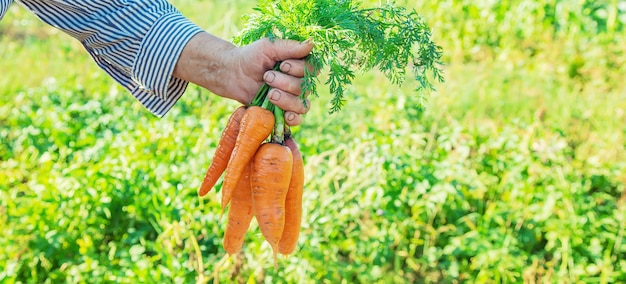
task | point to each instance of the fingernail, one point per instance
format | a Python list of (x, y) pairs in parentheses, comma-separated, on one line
[(308, 41), (285, 67), (269, 77), (291, 116), (275, 95)]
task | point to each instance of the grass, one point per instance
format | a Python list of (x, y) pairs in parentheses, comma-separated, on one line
[(515, 172)]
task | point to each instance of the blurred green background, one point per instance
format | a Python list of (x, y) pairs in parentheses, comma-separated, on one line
[(514, 172)]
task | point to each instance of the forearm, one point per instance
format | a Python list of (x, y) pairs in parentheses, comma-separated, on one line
[(238, 72), (204, 62)]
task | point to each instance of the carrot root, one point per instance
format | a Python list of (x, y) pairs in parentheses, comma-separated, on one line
[(223, 151), (293, 202), (239, 215), (256, 126), (269, 179)]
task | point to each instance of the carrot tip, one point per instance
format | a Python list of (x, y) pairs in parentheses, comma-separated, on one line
[(202, 193)]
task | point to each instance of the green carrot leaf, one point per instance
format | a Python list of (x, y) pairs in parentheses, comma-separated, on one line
[(350, 38)]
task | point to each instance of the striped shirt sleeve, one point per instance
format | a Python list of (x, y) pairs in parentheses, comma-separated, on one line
[(4, 6), (136, 42)]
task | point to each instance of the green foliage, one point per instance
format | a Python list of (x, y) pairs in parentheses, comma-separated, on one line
[(348, 37), (491, 28), (514, 172)]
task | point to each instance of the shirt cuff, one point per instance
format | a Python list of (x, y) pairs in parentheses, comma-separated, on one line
[(154, 65)]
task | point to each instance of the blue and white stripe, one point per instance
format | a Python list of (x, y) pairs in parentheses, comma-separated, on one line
[(136, 42), (4, 6)]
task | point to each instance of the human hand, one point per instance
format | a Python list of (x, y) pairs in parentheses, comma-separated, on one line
[(239, 72)]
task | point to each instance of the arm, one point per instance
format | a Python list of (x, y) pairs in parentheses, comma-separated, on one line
[(136, 42), (238, 72), (153, 51)]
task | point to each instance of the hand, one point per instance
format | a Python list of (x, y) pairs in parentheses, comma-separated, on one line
[(238, 72)]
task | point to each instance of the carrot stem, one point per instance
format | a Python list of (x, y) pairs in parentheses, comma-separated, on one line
[(287, 132), (267, 104), (261, 95), (279, 126)]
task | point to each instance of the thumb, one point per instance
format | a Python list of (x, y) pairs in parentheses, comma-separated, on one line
[(282, 49)]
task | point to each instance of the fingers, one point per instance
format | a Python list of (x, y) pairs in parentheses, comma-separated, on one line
[(281, 49), (292, 119), (295, 67), (285, 91), (288, 101), (283, 81), (286, 83)]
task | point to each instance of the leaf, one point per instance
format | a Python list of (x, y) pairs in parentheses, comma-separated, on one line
[(349, 38)]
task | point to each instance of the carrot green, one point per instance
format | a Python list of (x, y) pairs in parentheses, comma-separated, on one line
[(348, 38)]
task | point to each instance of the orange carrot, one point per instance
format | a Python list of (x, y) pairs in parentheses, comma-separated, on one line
[(269, 179), (223, 151), (293, 201), (239, 215), (256, 125)]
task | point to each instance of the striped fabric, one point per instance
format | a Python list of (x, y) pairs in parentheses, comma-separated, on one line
[(137, 42), (4, 6)]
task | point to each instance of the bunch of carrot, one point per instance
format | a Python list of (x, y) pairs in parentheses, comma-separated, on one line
[(264, 176)]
